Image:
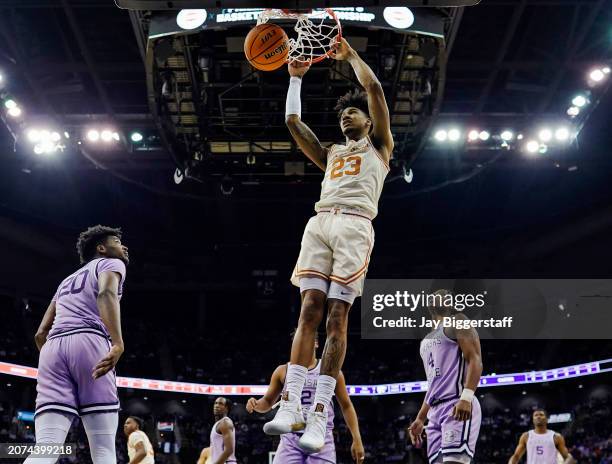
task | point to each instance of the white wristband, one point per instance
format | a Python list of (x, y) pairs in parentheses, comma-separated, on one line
[(294, 104), (467, 395)]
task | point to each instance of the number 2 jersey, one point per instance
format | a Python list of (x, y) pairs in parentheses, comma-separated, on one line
[(354, 177), (444, 365), (76, 307)]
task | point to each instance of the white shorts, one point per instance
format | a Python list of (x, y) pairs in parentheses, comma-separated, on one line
[(336, 246)]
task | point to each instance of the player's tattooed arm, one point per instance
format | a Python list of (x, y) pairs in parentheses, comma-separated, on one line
[(264, 404), (520, 449), (350, 417), (45, 326), (379, 111), (307, 141), (562, 448), (226, 429)]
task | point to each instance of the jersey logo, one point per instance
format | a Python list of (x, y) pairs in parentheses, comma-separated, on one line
[(349, 166)]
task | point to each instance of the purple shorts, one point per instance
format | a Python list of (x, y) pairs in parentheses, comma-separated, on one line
[(449, 439), (64, 381), (289, 452)]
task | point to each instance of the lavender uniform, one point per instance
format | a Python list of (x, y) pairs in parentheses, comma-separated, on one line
[(448, 440), (288, 451), (541, 448), (77, 341), (217, 446)]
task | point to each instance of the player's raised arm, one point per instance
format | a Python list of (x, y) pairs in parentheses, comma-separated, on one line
[(520, 449), (563, 451), (350, 417), (379, 111), (264, 404), (226, 429), (301, 133), (110, 313), (45, 326), (469, 343)]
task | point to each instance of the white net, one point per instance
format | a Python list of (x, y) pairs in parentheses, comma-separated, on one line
[(317, 33)]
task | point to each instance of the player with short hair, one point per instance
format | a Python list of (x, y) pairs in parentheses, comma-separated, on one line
[(288, 451), (222, 433), (80, 343), (453, 364), (541, 444), (337, 241), (140, 450)]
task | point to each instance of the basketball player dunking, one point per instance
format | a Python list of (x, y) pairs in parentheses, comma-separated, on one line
[(80, 343), (288, 451), (337, 242), (453, 364), (541, 443), (222, 434)]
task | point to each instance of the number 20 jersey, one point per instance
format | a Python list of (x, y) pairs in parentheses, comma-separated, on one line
[(76, 308), (354, 177)]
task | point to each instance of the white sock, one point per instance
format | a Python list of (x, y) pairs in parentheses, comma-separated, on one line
[(296, 377), (50, 427), (326, 386), (101, 429)]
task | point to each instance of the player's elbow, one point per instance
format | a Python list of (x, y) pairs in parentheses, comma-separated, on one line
[(107, 294), (291, 120)]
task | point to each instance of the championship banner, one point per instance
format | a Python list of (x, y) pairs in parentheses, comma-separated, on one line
[(400, 19)]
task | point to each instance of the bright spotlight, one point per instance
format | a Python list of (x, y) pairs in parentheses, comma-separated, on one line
[(14, 112), (454, 135), (55, 136), (597, 75), (545, 135), (573, 111), (507, 135), (33, 135), (45, 135), (484, 136), (106, 135), (38, 150), (519, 137), (136, 137), (473, 135), (562, 134), (10, 103), (116, 136), (532, 146), (579, 101), (93, 135), (48, 146), (441, 135), (67, 134), (605, 70)]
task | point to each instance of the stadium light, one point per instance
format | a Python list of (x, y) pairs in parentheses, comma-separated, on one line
[(441, 135), (15, 112), (10, 103), (507, 135), (33, 135), (545, 135), (484, 136), (106, 135), (454, 135), (579, 101), (597, 75), (136, 137), (93, 135), (473, 135), (562, 134), (606, 70), (532, 146), (573, 111)]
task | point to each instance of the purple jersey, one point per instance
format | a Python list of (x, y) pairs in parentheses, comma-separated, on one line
[(216, 443), (541, 448), (308, 395), (444, 366), (76, 299)]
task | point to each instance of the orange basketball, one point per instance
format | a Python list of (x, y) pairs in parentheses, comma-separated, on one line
[(266, 47)]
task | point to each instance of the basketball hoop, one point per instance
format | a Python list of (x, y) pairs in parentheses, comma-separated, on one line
[(315, 40)]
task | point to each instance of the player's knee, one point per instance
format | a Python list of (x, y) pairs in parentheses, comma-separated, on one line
[(337, 319), (312, 312)]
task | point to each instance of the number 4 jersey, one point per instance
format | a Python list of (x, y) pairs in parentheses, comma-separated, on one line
[(354, 177), (76, 299)]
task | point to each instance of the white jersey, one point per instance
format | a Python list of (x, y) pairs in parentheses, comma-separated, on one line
[(137, 437), (541, 448), (354, 177)]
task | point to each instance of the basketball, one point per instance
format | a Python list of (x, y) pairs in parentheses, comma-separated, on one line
[(266, 47)]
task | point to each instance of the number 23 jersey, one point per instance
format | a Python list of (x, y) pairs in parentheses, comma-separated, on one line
[(354, 177)]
